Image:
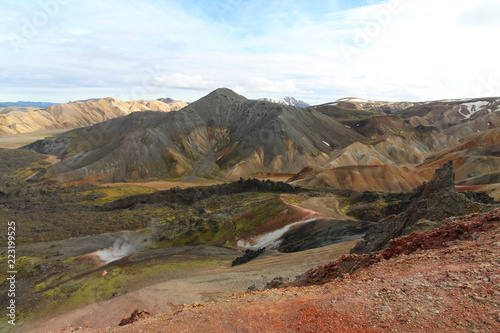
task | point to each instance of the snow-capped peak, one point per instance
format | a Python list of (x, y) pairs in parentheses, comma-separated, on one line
[(292, 101)]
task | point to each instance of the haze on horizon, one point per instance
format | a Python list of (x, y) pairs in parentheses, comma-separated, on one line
[(318, 51)]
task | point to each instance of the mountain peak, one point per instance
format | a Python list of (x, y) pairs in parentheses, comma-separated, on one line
[(292, 101), (226, 93)]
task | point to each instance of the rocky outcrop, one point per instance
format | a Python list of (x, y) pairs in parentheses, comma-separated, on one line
[(432, 201), (463, 229), (321, 233), (249, 255), (191, 195), (135, 316)]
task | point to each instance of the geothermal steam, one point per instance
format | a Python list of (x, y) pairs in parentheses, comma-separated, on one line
[(122, 247)]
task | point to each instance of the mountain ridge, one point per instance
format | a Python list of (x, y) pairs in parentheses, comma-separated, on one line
[(221, 132), (76, 114)]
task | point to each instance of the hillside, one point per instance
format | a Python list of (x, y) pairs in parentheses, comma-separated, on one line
[(438, 281), (418, 137), (74, 114), (351, 143), (221, 135)]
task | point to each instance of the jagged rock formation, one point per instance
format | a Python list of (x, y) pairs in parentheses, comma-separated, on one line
[(321, 233), (433, 201), (222, 134), (419, 241), (76, 114), (135, 316), (249, 255)]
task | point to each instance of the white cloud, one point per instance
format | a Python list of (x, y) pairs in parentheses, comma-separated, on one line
[(263, 84), (403, 49), (185, 81)]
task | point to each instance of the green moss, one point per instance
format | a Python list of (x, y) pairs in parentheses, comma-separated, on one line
[(292, 199), (94, 287), (258, 216), (41, 286), (115, 192), (223, 144), (314, 152), (186, 148)]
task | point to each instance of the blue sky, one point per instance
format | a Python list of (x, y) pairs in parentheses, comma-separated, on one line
[(319, 51)]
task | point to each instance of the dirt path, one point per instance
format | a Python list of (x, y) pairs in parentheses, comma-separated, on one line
[(328, 206), (203, 286)]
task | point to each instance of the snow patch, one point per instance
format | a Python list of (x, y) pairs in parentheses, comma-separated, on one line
[(474, 107), (352, 99)]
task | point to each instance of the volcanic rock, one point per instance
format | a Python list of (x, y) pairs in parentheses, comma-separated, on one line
[(249, 255), (433, 201), (135, 316), (321, 233)]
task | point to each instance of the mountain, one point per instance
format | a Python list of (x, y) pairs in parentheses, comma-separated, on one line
[(224, 135), (410, 143), (291, 101), (365, 178), (76, 114), (38, 105), (355, 103), (221, 135)]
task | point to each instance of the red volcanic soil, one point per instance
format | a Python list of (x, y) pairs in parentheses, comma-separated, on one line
[(446, 280)]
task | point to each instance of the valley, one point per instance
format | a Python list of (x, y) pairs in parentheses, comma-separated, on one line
[(119, 211)]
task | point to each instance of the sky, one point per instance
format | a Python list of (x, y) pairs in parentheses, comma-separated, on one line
[(317, 51)]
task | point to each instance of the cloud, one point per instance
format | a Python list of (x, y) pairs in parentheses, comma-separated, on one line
[(317, 51), (262, 84), (185, 81)]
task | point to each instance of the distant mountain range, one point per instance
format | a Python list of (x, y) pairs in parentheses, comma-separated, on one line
[(14, 120), (291, 101), (350, 143), (40, 105)]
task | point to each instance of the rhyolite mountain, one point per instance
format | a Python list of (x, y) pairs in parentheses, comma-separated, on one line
[(351, 143), (15, 120), (410, 142), (221, 135)]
